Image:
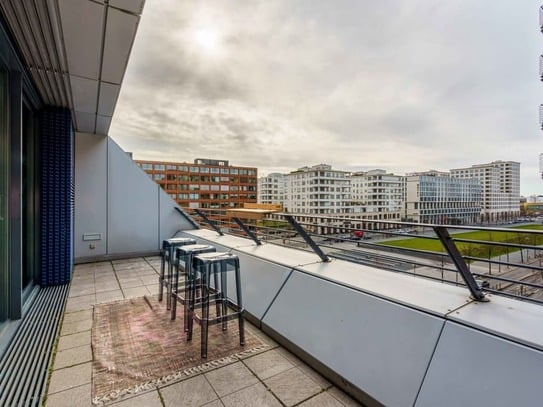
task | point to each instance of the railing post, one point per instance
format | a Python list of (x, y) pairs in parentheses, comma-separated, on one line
[(447, 241), (209, 221), (247, 230), (307, 238)]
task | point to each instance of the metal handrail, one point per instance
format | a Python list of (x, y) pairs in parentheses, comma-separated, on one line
[(298, 230)]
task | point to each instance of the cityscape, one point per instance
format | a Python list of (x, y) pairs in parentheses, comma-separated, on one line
[(482, 193), (276, 204)]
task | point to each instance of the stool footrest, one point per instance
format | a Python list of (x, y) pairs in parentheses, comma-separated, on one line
[(218, 320)]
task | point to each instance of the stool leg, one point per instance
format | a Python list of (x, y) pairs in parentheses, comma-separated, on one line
[(217, 268), (240, 307), (224, 296), (191, 304), (161, 277), (189, 279), (175, 290), (205, 312), (169, 278)]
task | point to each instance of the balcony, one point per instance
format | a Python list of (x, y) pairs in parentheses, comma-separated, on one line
[(273, 377), (386, 325)]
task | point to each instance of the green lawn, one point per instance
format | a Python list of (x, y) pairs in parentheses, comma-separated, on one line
[(476, 249)]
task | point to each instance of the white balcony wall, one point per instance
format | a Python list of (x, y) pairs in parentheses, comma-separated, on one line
[(117, 205)]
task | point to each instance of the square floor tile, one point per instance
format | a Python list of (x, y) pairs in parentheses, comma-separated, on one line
[(77, 396), (292, 386), (231, 378), (69, 328), (74, 340), (73, 356), (149, 399), (322, 400), (64, 379), (268, 364), (255, 395), (188, 393)]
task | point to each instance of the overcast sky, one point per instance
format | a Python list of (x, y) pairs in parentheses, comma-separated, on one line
[(402, 85)]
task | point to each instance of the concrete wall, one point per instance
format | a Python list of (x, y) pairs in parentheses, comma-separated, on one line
[(396, 339), (118, 208)]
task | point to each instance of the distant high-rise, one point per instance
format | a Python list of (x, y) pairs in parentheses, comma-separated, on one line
[(500, 182), (437, 197), (378, 194), (317, 190), (271, 189), (204, 184)]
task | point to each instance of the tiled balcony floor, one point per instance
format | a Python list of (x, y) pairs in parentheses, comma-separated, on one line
[(272, 378)]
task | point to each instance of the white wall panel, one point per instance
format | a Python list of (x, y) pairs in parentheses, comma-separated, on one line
[(472, 368), (132, 205), (381, 347), (90, 194)]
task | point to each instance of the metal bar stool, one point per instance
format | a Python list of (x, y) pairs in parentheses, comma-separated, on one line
[(168, 254), (183, 264), (218, 264)]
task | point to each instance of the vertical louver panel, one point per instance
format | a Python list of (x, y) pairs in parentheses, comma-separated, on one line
[(57, 196)]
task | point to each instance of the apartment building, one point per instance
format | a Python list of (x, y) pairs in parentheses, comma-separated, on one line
[(500, 184), (377, 194), (437, 197), (317, 190), (205, 183), (271, 189)]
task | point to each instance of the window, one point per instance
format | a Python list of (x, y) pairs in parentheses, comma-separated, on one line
[(194, 169), (158, 177), (225, 171), (159, 167), (214, 170)]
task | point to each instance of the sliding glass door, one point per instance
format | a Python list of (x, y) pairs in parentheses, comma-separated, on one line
[(4, 173)]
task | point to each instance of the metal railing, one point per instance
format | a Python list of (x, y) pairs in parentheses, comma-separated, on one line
[(504, 260)]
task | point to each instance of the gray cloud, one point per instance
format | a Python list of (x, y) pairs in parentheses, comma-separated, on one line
[(404, 86)]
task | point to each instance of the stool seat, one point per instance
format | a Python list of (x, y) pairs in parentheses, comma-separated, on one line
[(167, 254), (218, 265)]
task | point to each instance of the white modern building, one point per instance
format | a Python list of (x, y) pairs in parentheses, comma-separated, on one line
[(271, 189), (317, 190), (436, 197), (500, 184), (377, 194)]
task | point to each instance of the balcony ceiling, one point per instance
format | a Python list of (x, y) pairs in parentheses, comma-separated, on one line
[(76, 52)]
